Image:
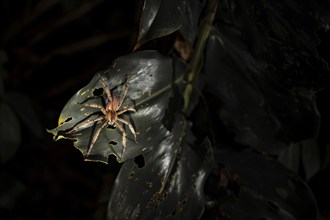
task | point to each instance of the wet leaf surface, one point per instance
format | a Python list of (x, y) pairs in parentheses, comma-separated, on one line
[(169, 185), (163, 17), (148, 76)]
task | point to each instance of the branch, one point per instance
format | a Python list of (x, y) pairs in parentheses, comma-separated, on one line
[(196, 62)]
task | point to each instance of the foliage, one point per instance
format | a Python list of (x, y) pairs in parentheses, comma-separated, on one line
[(214, 128), (247, 84)]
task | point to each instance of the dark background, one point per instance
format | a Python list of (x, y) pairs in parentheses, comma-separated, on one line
[(49, 50)]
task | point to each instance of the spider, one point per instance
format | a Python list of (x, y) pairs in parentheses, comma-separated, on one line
[(110, 116)]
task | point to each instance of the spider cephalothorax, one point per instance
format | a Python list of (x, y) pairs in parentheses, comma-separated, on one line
[(110, 116)]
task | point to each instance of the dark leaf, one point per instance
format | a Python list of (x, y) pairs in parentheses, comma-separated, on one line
[(302, 156), (163, 17), (148, 76), (244, 107), (169, 186), (268, 190), (263, 114), (174, 105), (269, 71), (283, 36), (291, 157), (311, 158)]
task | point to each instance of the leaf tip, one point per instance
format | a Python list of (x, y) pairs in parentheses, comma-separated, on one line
[(55, 134), (61, 120), (137, 46)]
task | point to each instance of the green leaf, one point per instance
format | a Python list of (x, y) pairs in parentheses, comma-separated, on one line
[(156, 21), (10, 133), (163, 17), (170, 184), (149, 76)]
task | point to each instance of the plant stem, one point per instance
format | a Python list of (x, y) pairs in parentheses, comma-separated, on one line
[(196, 62)]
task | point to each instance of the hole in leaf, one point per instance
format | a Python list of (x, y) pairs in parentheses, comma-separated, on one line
[(67, 120), (98, 92), (273, 206), (132, 175), (139, 160), (113, 142)]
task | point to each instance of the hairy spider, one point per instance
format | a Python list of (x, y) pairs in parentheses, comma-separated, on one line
[(110, 116)]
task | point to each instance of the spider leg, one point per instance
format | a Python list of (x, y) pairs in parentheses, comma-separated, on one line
[(123, 97), (85, 123), (93, 105), (126, 110), (124, 137), (96, 135), (129, 125), (106, 89)]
